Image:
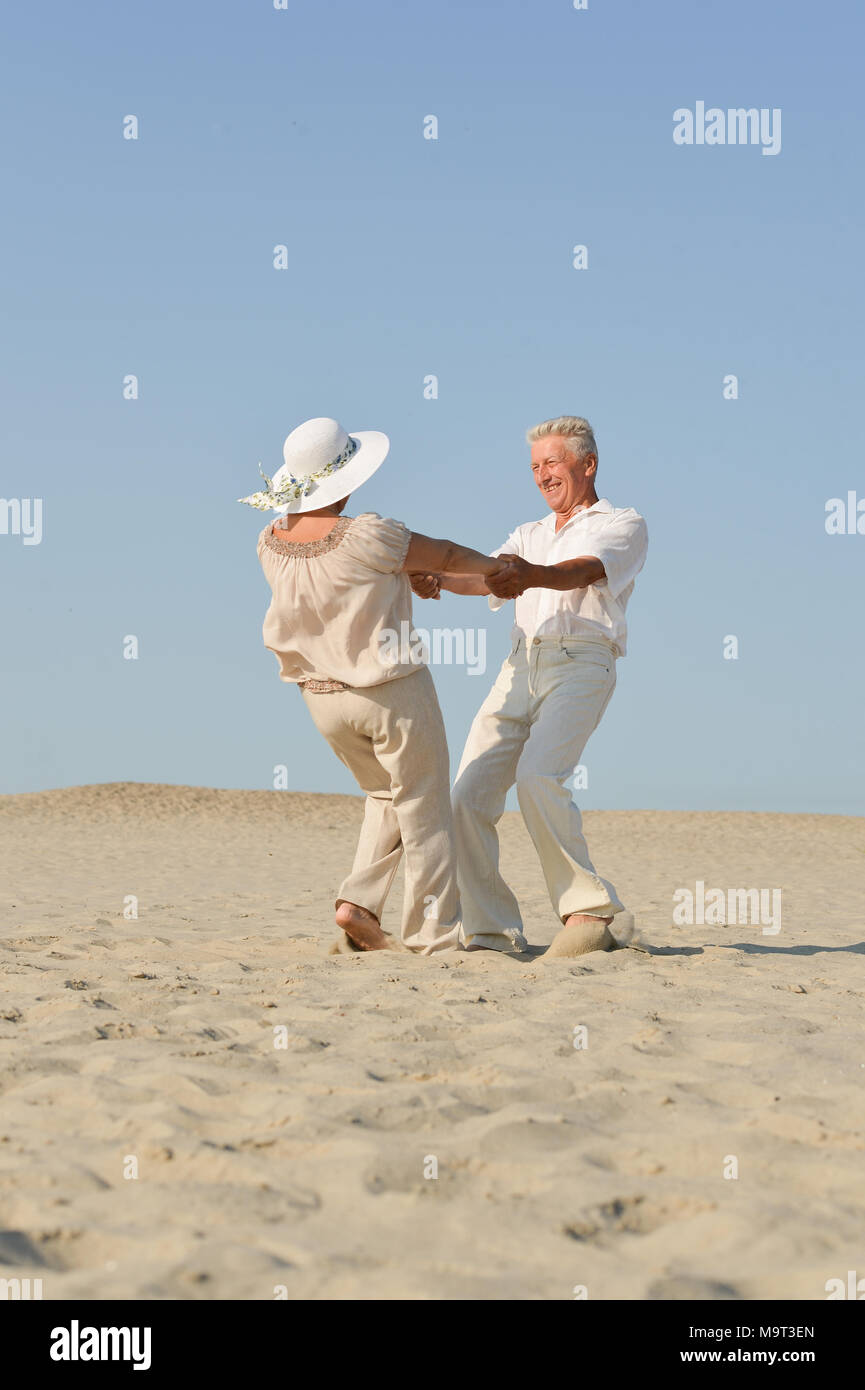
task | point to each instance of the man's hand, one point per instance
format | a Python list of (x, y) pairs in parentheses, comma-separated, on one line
[(425, 585), (511, 579)]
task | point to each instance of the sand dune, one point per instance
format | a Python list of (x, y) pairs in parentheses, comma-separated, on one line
[(307, 1167)]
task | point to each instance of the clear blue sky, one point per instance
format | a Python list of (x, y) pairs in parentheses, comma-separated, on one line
[(408, 257)]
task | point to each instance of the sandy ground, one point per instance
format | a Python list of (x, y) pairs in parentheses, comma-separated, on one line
[(305, 1170)]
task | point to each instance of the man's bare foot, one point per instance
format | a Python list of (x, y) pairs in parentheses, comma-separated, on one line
[(361, 927), (582, 934)]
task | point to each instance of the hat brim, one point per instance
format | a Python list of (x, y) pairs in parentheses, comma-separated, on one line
[(370, 454)]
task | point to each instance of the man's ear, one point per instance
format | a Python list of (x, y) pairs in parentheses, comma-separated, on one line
[(591, 465)]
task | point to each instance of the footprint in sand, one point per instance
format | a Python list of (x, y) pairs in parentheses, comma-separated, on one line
[(634, 1215), (684, 1289)]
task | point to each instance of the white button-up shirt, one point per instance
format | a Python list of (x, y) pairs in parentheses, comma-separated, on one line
[(617, 536)]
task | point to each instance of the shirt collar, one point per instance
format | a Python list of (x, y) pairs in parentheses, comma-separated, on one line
[(602, 505)]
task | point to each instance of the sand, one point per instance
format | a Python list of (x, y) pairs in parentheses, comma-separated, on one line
[(305, 1169)]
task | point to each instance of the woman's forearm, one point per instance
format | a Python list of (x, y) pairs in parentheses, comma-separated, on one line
[(462, 560), (428, 556)]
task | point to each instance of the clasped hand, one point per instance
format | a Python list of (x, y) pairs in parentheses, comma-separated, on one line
[(508, 580)]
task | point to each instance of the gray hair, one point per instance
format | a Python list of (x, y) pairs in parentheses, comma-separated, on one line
[(574, 429)]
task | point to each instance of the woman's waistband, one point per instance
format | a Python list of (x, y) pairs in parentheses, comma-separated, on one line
[(325, 687), (316, 686)]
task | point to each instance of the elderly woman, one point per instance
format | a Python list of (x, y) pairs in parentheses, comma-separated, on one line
[(341, 593)]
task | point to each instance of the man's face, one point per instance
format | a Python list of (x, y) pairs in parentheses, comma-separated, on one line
[(564, 480)]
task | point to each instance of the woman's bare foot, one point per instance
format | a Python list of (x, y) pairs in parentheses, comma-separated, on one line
[(361, 927), (582, 934)]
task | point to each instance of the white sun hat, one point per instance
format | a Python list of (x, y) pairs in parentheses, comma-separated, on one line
[(323, 464)]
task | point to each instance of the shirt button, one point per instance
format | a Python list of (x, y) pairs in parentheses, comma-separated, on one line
[(537, 642)]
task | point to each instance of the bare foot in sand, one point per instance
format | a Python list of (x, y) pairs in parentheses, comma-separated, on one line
[(361, 927), (582, 934)]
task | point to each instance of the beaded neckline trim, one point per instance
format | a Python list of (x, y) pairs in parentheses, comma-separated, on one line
[(307, 549)]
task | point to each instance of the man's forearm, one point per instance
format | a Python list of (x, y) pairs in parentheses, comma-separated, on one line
[(567, 574), (463, 583)]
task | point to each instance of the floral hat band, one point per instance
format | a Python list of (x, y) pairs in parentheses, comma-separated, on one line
[(292, 489), (323, 464)]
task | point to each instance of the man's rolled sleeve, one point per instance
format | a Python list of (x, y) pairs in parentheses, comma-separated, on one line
[(512, 546), (622, 551)]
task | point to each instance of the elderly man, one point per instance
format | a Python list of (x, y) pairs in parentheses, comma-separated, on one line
[(572, 574)]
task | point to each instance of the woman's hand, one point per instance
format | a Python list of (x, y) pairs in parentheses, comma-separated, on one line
[(425, 585)]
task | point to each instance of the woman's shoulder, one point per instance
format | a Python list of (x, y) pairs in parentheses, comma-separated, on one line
[(381, 541), (370, 518), (372, 524)]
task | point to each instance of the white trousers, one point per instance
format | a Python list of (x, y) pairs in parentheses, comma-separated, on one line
[(531, 730)]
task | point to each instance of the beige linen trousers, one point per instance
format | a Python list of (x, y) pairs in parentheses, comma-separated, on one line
[(391, 737)]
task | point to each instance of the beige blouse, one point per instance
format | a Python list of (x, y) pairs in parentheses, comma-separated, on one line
[(341, 608)]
